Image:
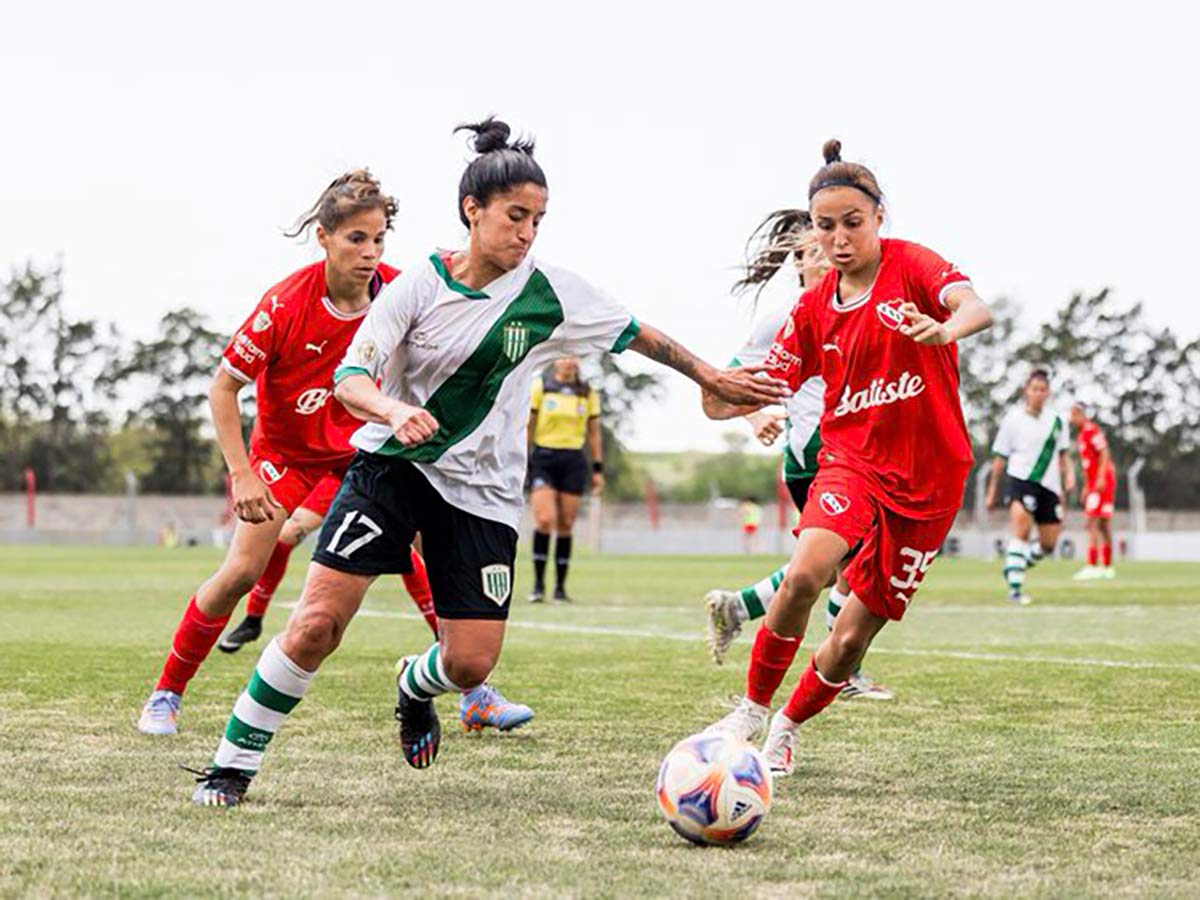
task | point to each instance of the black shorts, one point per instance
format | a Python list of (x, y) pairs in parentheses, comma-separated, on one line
[(799, 488), (564, 470), (383, 503), (1042, 503)]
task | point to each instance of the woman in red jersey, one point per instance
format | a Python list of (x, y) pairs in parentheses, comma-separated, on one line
[(289, 348), (880, 328)]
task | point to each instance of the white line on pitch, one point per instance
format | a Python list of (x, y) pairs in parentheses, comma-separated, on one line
[(1086, 662)]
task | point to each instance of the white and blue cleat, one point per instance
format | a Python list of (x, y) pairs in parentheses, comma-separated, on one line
[(485, 707), (160, 713)]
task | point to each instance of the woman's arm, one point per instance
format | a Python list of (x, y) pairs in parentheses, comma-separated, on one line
[(741, 388), (596, 449), (412, 425), (968, 315), (993, 491), (252, 500)]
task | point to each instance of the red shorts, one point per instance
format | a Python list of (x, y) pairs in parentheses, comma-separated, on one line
[(895, 550), (1098, 499), (293, 486)]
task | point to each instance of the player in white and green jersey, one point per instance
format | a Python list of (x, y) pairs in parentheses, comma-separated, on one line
[(1031, 452), (782, 234), (441, 371)]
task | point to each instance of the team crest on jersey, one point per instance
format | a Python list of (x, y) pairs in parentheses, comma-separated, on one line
[(834, 504), (270, 474), (889, 313), (497, 582), (261, 322), (515, 340)]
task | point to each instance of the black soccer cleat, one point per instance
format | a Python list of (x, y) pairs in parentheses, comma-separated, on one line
[(420, 729), (560, 595), (217, 786), (250, 629)]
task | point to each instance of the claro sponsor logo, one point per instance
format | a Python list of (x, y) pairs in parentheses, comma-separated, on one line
[(880, 393)]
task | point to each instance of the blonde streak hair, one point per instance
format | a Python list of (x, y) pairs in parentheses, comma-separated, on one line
[(348, 194)]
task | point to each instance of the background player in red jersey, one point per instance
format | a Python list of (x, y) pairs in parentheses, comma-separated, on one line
[(289, 347), (1099, 492), (880, 328)]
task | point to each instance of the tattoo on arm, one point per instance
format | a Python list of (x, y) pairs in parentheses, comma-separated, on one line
[(655, 345)]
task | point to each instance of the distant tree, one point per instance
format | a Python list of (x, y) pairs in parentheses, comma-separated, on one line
[(622, 392), (175, 371)]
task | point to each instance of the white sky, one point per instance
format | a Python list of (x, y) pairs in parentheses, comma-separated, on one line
[(1044, 147)]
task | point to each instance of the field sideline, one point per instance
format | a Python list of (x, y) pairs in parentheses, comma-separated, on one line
[(1049, 751)]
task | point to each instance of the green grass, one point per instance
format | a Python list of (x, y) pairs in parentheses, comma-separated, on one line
[(1046, 751)]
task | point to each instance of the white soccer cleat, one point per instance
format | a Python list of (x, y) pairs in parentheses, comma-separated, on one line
[(780, 745), (862, 685), (725, 617), (159, 713), (1020, 598), (1087, 573), (744, 722), (1108, 573)]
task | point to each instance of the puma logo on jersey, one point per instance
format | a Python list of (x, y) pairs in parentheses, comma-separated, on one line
[(834, 504), (832, 347), (317, 348), (275, 304), (311, 400), (880, 393), (889, 313)]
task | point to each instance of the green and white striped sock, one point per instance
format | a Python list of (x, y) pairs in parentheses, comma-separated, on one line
[(425, 677), (277, 686), (836, 601), (757, 597), (1016, 559)]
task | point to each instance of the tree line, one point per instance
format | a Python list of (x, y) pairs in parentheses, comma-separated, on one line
[(81, 404)]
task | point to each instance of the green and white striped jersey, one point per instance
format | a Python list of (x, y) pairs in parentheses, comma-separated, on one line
[(468, 357), (804, 408), (1031, 444)]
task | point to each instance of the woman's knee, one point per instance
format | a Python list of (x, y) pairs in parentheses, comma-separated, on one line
[(314, 633), (469, 669), (238, 576), (847, 645), (803, 583)]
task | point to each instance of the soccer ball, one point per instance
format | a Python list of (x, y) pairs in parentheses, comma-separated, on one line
[(714, 789)]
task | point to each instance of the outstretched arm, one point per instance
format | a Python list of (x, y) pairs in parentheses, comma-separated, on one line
[(968, 315), (743, 389), (412, 425)]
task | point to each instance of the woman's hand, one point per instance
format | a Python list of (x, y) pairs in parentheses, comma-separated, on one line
[(922, 328), (252, 500), (747, 386), (412, 425), (767, 426), (597, 482)]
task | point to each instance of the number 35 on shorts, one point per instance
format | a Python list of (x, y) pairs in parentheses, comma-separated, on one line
[(912, 570), (355, 532)]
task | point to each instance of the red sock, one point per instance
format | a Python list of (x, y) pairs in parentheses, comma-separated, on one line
[(194, 638), (811, 695), (770, 659), (268, 582), (417, 585), (1106, 554), (1093, 554)]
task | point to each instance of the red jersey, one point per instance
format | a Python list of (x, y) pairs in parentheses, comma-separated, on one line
[(1092, 443), (289, 347), (892, 410)]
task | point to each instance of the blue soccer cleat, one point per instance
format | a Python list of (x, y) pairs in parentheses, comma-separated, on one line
[(160, 713), (485, 707)]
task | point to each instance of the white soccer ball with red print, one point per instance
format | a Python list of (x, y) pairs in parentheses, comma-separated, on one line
[(714, 789)]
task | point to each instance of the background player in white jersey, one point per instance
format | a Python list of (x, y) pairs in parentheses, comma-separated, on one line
[(454, 346), (782, 234), (1032, 448)]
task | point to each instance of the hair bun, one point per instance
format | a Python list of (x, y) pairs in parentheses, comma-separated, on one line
[(490, 134), (832, 151)]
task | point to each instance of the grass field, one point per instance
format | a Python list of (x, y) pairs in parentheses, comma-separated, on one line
[(1045, 751)]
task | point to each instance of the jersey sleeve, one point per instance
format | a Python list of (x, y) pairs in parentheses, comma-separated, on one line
[(592, 320), (383, 328), (1003, 445), (254, 344), (934, 279), (793, 356), (762, 336), (593, 404), (1097, 440)]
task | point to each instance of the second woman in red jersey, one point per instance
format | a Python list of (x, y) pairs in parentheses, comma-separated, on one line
[(880, 328)]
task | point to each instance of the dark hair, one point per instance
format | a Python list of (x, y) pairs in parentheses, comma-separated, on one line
[(346, 196), (768, 247), (1039, 373), (499, 166), (836, 173)]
